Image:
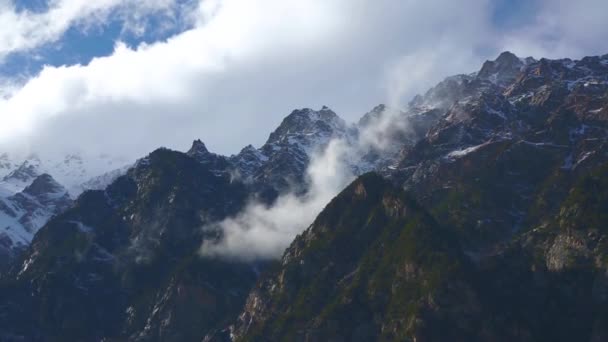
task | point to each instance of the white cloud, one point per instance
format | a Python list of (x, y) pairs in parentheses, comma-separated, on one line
[(25, 30), (246, 63), (424, 68), (166, 81), (562, 28), (262, 232)]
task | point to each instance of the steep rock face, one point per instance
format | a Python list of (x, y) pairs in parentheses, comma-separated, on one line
[(212, 161), (281, 163), (504, 70), (123, 263), (248, 162), (496, 155), (549, 283), (373, 266), (305, 126), (383, 133)]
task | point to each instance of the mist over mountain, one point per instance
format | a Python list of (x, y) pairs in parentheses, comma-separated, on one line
[(476, 212)]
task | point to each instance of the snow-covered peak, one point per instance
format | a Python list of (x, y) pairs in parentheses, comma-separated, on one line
[(372, 115), (102, 181), (76, 169), (504, 70), (445, 93), (25, 212), (251, 154), (7, 164), (20, 177), (71, 170), (248, 161), (45, 187), (545, 76), (308, 122), (26, 170)]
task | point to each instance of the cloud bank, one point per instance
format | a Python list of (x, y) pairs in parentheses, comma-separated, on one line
[(27, 30), (247, 63)]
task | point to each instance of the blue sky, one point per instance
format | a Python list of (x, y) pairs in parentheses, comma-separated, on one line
[(228, 71), (513, 13), (79, 44), (37, 6)]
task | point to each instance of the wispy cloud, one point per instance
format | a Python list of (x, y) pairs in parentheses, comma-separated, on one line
[(263, 232), (25, 30), (562, 28)]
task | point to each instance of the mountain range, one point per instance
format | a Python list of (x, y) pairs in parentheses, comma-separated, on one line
[(476, 213), (57, 183)]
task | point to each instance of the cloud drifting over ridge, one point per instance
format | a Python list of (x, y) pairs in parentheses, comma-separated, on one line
[(155, 90), (263, 232), (247, 63)]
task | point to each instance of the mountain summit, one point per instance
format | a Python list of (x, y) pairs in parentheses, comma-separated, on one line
[(505, 69), (309, 123)]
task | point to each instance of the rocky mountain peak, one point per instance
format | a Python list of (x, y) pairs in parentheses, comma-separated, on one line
[(216, 163), (44, 184), (198, 148), (503, 70), (26, 171), (25, 212), (307, 121), (21, 176), (372, 115), (249, 153), (248, 149), (249, 161), (507, 57)]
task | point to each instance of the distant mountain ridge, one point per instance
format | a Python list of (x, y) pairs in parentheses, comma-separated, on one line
[(21, 215), (71, 170)]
